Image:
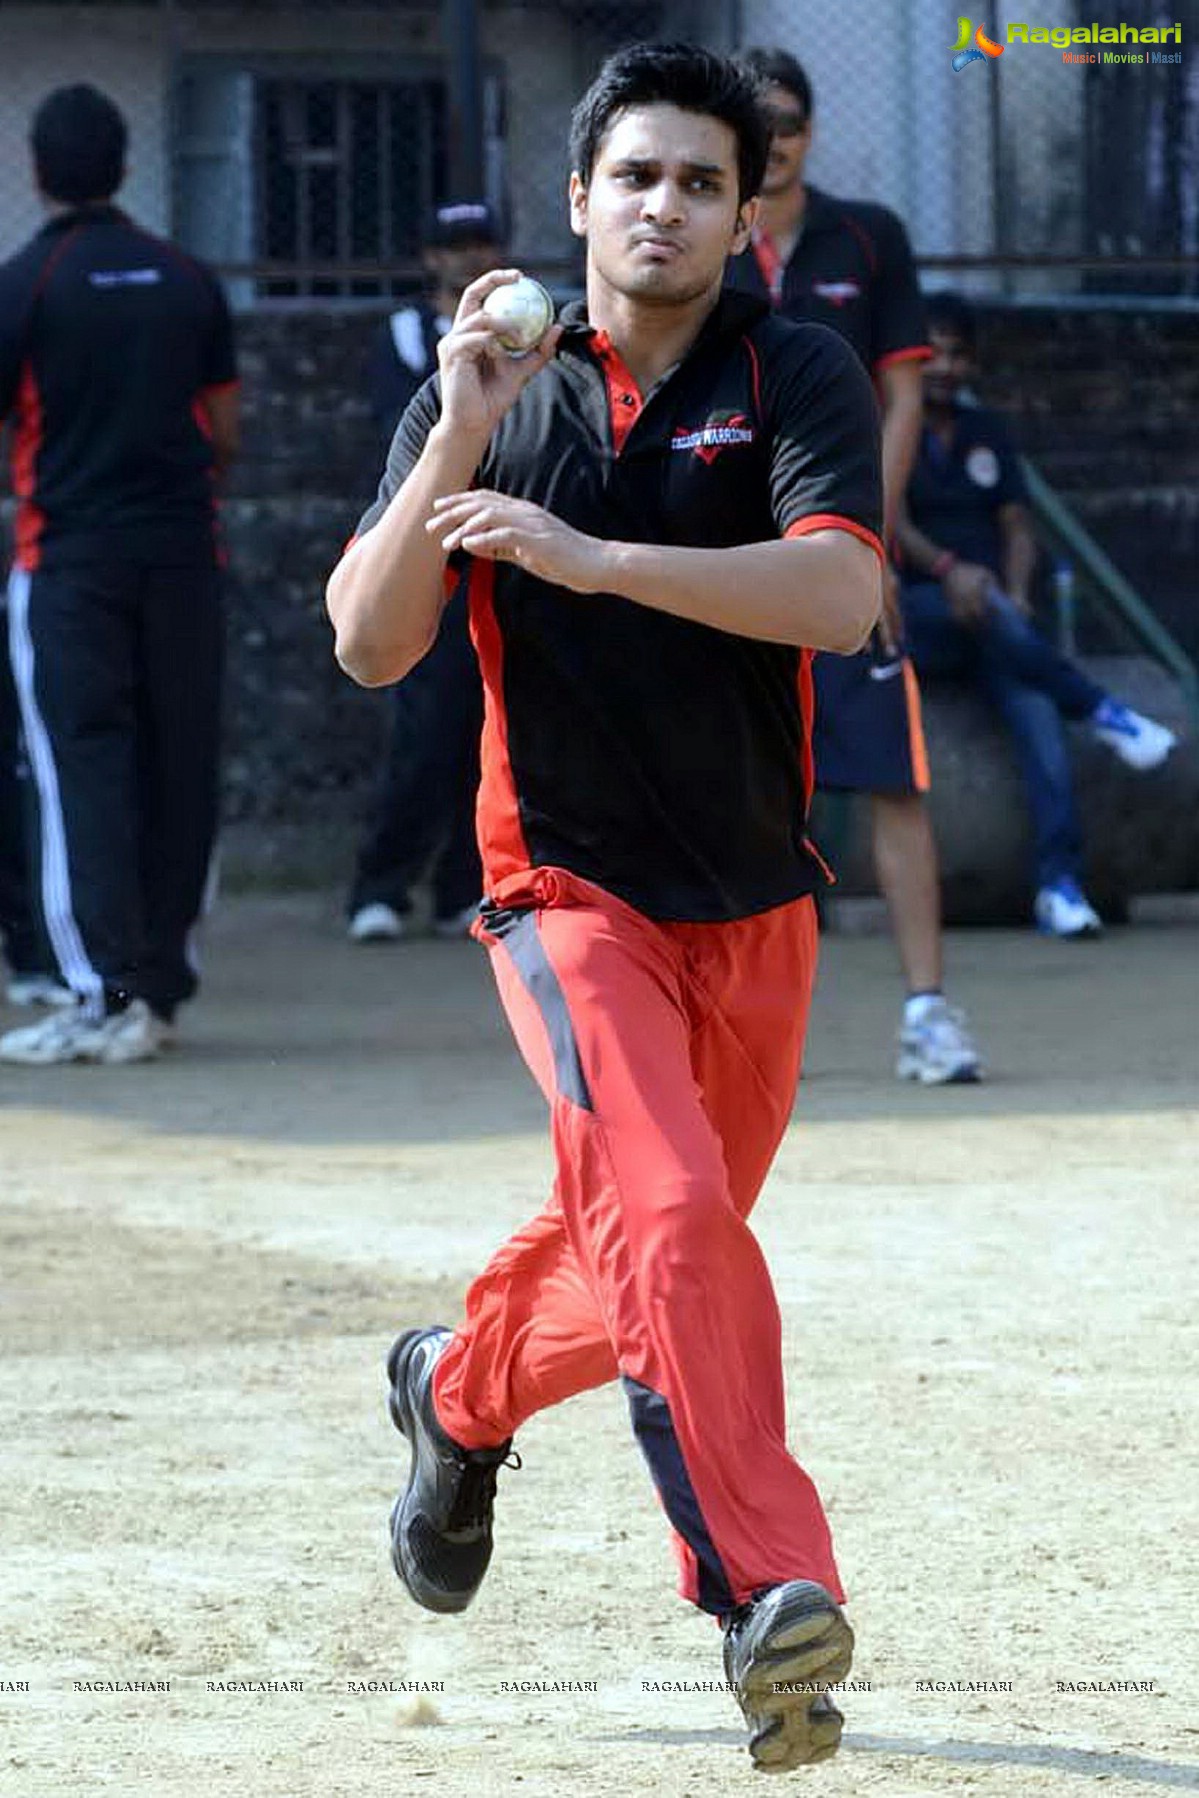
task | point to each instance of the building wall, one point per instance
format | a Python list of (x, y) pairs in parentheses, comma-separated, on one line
[(118, 49)]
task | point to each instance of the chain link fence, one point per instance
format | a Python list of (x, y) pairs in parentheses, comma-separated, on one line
[(299, 146)]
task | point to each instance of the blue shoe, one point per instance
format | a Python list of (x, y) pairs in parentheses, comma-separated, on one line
[(1063, 910), (1138, 741)]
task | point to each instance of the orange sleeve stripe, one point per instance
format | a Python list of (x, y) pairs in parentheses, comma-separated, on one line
[(919, 352), (219, 387), (832, 521)]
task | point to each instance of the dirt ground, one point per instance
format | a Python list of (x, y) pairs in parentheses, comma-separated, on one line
[(988, 1297)]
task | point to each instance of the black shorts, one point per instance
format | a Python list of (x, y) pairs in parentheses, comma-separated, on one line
[(868, 735)]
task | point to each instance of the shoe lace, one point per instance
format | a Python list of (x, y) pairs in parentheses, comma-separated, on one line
[(476, 1491)]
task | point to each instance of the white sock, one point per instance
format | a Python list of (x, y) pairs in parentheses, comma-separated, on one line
[(917, 1006)]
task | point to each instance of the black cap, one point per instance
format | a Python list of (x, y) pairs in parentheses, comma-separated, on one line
[(462, 222)]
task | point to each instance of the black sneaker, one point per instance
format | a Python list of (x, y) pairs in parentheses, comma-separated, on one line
[(441, 1522), (781, 1652)]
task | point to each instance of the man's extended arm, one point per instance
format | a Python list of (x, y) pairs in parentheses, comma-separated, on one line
[(1019, 552), (901, 389), (820, 590), (221, 408)]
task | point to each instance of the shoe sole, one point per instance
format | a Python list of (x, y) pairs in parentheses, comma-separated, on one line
[(809, 1646), (969, 1074), (430, 1598)]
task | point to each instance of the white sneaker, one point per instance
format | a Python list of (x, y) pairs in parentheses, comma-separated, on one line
[(377, 923), (1138, 741), (457, 924), (134, 1034), (38, 989), (936, 1048), (1063, 910)]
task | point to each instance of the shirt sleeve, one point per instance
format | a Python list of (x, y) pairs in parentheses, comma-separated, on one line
[(898, 331), (420, 415), (219, 364), (825, 457)]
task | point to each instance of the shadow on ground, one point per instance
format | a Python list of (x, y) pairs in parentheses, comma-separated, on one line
[(301, 1037)]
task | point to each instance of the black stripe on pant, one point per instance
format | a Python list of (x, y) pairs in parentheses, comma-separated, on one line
[(118, 670)]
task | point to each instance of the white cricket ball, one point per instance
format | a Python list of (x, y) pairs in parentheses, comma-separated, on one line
[(522, 312)]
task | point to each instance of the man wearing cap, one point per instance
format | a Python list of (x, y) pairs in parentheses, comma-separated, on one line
[(426, 800)]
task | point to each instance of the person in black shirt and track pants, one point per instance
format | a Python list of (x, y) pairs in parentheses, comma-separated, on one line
[(423, 817), (117, 378)]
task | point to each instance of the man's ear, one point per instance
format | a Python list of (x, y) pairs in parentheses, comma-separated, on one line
[(578, 204), (747, 216)]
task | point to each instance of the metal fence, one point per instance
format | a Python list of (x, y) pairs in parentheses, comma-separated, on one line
[(299, 145)]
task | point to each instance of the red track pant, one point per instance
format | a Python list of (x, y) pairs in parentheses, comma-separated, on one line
[(669, 1054)]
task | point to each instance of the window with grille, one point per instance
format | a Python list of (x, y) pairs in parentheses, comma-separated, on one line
[(347, 172), (302, 185)]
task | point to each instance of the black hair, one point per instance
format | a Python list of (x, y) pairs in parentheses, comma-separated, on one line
[(78, 140), (682, 75), (954, 316), (779, 68)]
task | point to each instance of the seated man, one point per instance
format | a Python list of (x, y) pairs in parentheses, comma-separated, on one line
[(968, 557)]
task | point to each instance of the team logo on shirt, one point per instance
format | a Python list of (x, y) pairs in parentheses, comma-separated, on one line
[(722, 431), (982, 466), (838, 293)]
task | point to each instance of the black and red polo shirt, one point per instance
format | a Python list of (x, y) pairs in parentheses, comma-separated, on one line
[(108, 339), (852, 270), (665, 760)]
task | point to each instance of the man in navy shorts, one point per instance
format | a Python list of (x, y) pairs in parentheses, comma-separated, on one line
[(847, 264)]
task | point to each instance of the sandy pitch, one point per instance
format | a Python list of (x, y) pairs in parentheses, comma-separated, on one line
[(989, 1303)]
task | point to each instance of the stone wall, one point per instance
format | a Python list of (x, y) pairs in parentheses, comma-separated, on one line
[(1140, 831)]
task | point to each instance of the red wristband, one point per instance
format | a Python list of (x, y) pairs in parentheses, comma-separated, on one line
[(944, 562)]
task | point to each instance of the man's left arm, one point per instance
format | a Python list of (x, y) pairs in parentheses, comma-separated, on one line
[(219, 395), (899, 349), (1019, 552), (900, 386), (1018, 543)]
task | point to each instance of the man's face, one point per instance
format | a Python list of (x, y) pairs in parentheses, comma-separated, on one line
[(948, 369), (455, 269), (790, 139), (661, 213)]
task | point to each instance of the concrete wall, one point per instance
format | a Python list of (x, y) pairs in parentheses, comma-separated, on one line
[(119, 49)]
